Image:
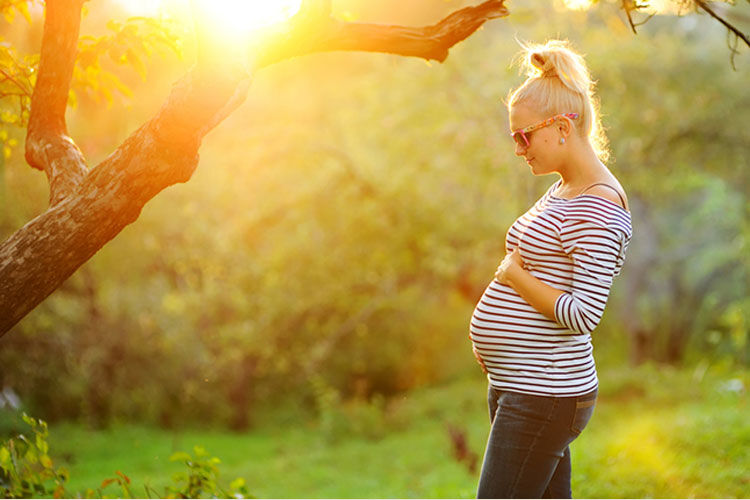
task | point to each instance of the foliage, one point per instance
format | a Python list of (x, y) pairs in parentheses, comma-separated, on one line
[(120, 479), (127, 44), (339, 420), (686, 169), (10, 8), (100, 65), (16, 81), (201, 480), (26, 471)]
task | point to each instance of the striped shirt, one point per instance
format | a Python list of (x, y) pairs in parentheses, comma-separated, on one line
[(576, 245)]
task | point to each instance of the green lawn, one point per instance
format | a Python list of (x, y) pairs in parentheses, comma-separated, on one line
[(657, 432)]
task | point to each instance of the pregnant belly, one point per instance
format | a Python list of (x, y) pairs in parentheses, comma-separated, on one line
[(502, 316)]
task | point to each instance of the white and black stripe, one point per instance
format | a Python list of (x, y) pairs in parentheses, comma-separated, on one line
[(578, 246)]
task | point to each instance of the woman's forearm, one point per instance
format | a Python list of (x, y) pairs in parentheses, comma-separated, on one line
[(538, 294)]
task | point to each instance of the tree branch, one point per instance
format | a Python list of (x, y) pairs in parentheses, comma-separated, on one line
[(629, 6), (7, 76), (48, 146), (40, 256), (626, 6), (704, 6), (430, 42)]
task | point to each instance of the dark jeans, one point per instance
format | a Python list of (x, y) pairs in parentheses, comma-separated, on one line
[(527, 452)]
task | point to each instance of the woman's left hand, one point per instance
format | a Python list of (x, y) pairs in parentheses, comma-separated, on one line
[(511, 264)]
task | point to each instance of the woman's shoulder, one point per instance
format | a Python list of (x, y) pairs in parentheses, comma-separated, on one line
[(599, 211), (610, 191)]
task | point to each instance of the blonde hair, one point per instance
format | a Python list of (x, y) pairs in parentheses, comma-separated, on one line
[(559, 82)]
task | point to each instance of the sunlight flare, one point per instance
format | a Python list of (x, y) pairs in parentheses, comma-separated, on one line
[(578, 4), (239, 17), (664, 7)]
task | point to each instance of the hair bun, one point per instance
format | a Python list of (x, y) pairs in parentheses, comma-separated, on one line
[(543, 63), (556, 59)]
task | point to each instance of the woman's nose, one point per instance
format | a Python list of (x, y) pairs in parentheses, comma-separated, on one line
[(520, 150)]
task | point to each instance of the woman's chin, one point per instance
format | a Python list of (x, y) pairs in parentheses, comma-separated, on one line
[(536, 168)]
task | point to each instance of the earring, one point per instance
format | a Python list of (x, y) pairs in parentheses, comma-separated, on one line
[(562, 140)]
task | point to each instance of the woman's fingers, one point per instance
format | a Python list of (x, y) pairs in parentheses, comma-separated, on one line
[(500, 273), (511, 259), (515, 256)]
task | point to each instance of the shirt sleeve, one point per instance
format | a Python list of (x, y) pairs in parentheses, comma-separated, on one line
[(594, 250)]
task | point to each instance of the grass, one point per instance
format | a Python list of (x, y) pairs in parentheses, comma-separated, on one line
[(657, 432)]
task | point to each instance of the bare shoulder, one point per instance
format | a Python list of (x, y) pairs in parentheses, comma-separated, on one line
[(610, 192)]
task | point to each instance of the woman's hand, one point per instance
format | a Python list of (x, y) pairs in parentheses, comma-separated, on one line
[(510, 265)]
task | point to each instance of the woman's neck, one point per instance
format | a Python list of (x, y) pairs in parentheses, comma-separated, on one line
[(582, 169)]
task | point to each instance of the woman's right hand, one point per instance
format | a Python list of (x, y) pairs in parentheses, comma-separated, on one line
[(479, 358)]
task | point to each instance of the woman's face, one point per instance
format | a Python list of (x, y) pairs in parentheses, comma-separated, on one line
[(543, 152)]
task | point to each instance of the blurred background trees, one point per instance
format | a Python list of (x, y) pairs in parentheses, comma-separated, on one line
[(343, 223)]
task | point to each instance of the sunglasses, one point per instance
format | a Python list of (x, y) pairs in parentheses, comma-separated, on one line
[(521, 137)]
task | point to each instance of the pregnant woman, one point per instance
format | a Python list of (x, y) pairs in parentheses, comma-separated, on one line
[(531, 330)]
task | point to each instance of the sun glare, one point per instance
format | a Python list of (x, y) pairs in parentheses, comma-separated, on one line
[(663, 7), (239, 17), (578, 4), (141, 7), (225, 17)]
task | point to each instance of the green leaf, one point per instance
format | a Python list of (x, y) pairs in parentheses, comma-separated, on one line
[(41, 444), (62, 474), (237, 484), (31, 456), (23, 8), (46, 461), (180, 456)]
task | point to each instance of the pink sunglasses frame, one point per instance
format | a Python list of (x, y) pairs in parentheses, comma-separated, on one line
[(546, 123)]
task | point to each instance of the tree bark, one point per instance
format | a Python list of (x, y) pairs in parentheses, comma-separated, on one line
[(88, 208), (48, 146)]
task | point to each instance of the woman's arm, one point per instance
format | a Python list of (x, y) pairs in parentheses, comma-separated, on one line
[(595, 251), (538, 294)]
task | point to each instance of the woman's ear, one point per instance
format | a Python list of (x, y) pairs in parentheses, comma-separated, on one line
[(564, 126)]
